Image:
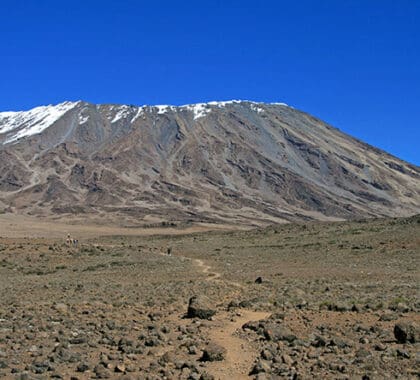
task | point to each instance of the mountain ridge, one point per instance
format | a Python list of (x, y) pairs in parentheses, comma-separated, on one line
[(228, 161)]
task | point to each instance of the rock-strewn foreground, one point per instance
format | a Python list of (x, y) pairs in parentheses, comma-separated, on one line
[(311, 300), (221, 162)]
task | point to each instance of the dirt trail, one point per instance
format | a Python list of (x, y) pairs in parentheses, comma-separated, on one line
[(206, 269), (215, 276), (240, 353)]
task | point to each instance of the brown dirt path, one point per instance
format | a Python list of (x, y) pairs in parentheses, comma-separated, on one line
[(206, 269), (215, 276), (240, 353)]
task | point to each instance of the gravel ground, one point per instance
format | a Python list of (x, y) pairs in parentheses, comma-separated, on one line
[(314, 300)]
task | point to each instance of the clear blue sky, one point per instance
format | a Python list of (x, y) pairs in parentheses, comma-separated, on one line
[(353, 63)]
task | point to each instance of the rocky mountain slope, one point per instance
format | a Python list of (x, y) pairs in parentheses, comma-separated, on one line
[(225, 162)]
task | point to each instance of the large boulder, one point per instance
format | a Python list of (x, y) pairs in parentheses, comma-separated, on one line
[(276, 332), (200, 307), (213, 352), (407, 332)]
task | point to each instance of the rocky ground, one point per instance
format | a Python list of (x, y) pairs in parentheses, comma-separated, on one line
[(310, 300)]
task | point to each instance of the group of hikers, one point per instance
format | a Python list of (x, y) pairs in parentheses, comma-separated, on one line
[(71, 242)]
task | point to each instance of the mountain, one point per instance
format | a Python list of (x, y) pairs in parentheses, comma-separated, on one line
[(225, 162)]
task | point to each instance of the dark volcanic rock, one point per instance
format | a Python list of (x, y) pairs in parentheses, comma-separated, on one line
[(260, 367), (213, 352), (82, 367), (200, 307), (206, 376), (275, 332), (406, 332), (101, 372)]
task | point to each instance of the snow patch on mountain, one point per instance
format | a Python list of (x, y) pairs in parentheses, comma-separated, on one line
[(256, 108), (31, 122), (162, 109), (280, 104), (83, 119), (122, 113), (199, 109), (140, 112), (226, 102), (83, 115)]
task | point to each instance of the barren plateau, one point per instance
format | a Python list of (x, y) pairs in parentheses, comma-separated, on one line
[(325, 300)]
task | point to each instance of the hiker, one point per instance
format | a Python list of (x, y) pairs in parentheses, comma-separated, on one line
[(168, 251)]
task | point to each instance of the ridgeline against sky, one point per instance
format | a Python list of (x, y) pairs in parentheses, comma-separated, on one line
[(355, 64)]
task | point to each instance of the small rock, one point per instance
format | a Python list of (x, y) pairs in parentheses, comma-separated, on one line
[(402, 308), (362, 353), (101, 372), (319, 341), (192, 350), (267, 355), (339, 342), (287, 359), (251, 325), (119, 368), (168, 357), (312, 354), (206, 376), (82, 367), (78, 340), (245, 303), (404, 354), (260, 367), (356, 308), (233, 305), (61, 307), (388, 317), (380, 347), (258, 280), (340, 307), (262, 376), (131, 368), (3, 364), (278, 317)]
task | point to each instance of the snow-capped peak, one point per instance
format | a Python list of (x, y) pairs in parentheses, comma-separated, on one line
[(199, 110), (15, 125), (202, 109), (28, 123)]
